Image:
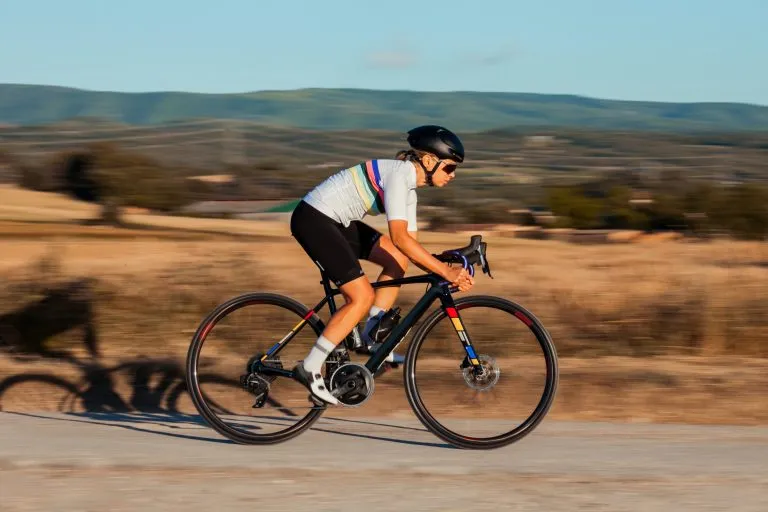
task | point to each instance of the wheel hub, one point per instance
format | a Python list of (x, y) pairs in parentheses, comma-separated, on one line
[(253, 366), (486, 377)]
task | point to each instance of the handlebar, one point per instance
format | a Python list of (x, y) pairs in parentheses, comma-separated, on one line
[(468, 256)]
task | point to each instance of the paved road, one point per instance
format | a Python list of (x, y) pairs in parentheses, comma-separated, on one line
[(156, 462)]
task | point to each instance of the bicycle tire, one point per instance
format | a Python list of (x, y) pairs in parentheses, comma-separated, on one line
[(193, 382), (527, 426)]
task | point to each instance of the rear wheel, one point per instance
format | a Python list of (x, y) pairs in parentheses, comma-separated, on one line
[(501, 403), (227, 343)]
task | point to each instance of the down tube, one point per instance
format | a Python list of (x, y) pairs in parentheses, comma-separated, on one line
[(400, 330)]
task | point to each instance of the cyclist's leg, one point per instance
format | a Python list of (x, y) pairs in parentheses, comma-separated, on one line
[(371, 245), (394, 265), (325, 241), (359, 296), (378, 248)]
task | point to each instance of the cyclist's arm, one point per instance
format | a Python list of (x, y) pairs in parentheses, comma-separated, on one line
[(400, 204), (406, 242)]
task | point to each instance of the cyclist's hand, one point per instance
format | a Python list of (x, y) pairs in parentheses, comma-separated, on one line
[(459, 277)]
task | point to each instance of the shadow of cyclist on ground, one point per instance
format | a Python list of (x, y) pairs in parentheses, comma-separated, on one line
[(29, 330)]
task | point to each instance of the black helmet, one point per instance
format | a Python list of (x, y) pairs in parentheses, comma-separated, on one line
[(437, 140)]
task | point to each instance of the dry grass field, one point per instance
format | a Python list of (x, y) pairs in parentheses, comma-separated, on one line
[(656, 330)]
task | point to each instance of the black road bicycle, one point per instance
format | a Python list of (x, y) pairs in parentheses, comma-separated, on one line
[(452, 366)]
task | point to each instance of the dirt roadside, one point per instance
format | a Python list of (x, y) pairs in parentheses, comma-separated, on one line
[(696, 390)]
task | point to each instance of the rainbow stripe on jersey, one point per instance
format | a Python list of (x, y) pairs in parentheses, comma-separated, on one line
[(368, 183)]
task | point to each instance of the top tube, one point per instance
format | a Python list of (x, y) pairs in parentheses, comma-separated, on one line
[(433, 279)]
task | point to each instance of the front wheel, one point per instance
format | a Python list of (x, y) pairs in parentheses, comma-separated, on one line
[(500, 401)]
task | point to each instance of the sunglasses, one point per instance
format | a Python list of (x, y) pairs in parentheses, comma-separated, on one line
[(449, 168)]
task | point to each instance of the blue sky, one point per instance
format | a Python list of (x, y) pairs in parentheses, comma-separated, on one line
[(674, 50)]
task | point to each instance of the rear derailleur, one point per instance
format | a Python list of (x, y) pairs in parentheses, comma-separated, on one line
[(257, 383)]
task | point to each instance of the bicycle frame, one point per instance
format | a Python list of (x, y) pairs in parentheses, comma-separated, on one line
[(439, 289)]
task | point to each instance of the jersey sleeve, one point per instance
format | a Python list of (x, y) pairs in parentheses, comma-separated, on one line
[(396, 198)]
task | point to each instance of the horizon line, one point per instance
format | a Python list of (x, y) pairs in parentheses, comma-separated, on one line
[(368, 89)]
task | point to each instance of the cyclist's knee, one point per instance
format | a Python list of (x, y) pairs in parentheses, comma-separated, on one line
[(359, 294), (367, 298)]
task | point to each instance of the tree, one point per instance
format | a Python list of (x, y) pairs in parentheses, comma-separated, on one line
[(743, 210), (578, 211)]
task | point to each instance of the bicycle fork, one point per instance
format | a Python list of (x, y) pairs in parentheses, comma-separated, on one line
[(453, 314), (450, 309)]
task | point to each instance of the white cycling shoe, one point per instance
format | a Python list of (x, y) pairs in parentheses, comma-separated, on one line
[(315, 384)]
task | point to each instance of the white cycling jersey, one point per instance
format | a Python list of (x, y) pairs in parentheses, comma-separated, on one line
[(369, 188)]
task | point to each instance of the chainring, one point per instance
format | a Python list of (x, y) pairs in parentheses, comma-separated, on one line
[(352, 384)]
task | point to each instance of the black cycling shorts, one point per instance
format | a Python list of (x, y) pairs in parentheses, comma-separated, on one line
[(334, 248)]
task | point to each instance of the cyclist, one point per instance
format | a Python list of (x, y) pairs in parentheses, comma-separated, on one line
[(327, 224)]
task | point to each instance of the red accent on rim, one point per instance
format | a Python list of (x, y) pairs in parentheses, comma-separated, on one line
[(527, 321), (311, 312), (206, 330), (452, 312)]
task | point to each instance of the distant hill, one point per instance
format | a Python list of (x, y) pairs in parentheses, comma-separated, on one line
[(375, 109)]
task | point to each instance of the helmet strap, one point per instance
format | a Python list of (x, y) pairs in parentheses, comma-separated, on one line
[(430, 173), (427, 173)]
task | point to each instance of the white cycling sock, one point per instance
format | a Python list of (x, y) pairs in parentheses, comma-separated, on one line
[(314, 361)]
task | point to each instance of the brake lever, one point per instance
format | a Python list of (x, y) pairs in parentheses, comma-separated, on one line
[(484, 261)]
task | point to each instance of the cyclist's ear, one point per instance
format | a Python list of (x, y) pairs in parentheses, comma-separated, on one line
[(429, 160)]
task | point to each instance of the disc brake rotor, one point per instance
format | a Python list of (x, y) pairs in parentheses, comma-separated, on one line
[(486, 378)]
